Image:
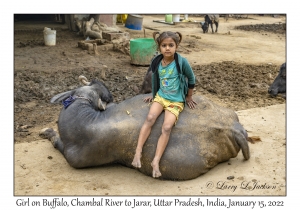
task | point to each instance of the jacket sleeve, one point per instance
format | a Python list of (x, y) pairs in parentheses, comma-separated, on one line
[(188, 72), (155, 78), (154, 85)]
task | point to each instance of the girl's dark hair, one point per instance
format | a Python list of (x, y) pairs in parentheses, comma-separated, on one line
[(176, 36)]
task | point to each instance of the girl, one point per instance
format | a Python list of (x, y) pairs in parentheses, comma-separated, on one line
[(173, 81)]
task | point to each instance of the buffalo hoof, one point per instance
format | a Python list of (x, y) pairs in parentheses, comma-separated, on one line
[(46, 133), (50, 134)]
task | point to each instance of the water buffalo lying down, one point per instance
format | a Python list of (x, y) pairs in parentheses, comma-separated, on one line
[(279, 84), (202, 137)]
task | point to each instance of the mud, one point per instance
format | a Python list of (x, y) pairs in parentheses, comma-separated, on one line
[(279, 28)]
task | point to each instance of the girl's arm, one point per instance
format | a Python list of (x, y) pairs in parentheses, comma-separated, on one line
[(188, 72)]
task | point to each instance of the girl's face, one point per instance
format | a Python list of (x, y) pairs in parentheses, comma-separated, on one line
[(168, 47)]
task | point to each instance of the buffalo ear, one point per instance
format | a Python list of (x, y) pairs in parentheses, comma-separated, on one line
[(61, 96)]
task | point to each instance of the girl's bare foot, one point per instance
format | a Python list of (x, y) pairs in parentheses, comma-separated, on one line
[(137, 160), (155, 173)]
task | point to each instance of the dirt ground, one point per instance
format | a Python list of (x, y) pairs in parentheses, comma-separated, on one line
[(233, 68)]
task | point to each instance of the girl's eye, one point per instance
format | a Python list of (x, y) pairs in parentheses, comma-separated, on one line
[(165, 45)]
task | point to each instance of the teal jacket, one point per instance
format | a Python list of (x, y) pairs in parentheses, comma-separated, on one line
[(186, 74)]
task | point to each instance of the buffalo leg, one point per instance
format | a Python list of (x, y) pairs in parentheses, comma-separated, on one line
[(212, 28), (51, 135), (240, 136), (217, 25), (242, 142)]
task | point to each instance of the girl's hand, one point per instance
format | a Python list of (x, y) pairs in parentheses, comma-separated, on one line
[(190, 102), (148, 99)]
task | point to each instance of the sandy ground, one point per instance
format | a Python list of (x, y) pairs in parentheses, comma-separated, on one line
[(40, 170)]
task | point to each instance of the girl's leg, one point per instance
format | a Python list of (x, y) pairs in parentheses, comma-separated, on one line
[(168, 124), (154, 112)]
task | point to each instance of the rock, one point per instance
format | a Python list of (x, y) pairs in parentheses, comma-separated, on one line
[(230, 177)]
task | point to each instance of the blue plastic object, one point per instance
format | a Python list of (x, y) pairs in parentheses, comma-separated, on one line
[(134, 22)]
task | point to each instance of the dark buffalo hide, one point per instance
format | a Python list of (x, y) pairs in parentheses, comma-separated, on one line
[(202, 137), (279, 84)]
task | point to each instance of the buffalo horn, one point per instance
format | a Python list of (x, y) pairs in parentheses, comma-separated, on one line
[(101, 104), (83, 80)]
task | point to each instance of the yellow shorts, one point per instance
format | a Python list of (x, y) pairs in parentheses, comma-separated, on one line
[(173, 107)]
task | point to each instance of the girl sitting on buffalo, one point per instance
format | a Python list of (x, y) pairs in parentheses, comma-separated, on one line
[(173, 81)]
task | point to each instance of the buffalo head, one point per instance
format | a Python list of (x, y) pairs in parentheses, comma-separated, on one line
[(279, 84), (94, 92), (204, 26)]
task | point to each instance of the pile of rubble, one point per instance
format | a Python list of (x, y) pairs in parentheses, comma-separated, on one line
[(96, 33)]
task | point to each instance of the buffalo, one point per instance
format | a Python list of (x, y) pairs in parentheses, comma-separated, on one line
[(147, 83), (279, 84), (93, 131), (210, 20)]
